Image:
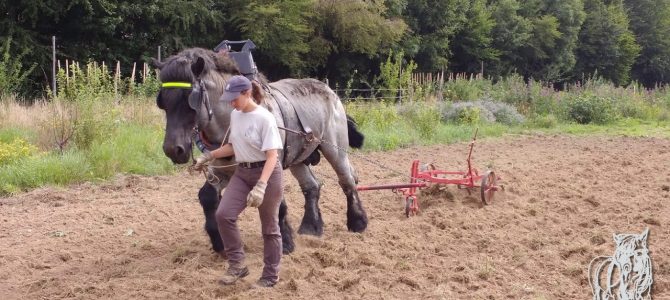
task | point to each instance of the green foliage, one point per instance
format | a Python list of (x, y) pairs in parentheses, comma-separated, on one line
[(463, 88), (650, 22), (434, 23), (511, 32), (15, 150), (13, 75), (147, 88), (93, 114), (606, 45), (586, 109), (545, 121), (36, 171), (394, 76), (133, 149), (282, 28), (471, 44), (425, 118)]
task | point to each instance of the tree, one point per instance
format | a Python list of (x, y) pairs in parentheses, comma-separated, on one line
[(511, 32), (353, 35), (471, 45), (434, 24), (650, 21), (107, 30), (606, 45), (281, 31)]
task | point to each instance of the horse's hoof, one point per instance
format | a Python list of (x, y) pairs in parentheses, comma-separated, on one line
[(357, 225), (310, 229), (288, 248)]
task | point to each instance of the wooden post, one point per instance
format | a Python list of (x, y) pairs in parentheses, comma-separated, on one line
[(144, 72), (441, 93), (53, 65), (159, 53), (67, 72), (117, 76), (132, 75), (481, 70)]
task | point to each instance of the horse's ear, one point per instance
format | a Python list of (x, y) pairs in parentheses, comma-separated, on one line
[(617, 238), (197, 67), (156, 63), (644, 235)]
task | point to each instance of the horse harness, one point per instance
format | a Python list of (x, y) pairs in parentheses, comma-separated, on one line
[(202, 142)]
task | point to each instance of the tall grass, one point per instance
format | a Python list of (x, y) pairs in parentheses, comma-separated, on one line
[(87, 132)]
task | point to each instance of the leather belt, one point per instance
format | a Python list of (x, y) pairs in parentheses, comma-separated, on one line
[(251, 165)]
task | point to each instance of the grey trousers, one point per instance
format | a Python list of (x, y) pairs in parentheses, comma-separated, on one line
[(234, 201)]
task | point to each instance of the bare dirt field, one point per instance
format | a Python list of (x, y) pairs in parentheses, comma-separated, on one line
[(142, 237)]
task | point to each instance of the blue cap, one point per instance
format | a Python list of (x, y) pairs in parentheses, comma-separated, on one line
[(236, 85)]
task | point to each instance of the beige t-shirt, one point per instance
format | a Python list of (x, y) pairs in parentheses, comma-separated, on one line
[(253, 133)]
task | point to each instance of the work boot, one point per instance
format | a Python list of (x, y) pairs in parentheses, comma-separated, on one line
[(263, 283), (233, 274)]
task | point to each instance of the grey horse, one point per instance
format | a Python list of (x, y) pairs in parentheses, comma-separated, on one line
[(311, 114)]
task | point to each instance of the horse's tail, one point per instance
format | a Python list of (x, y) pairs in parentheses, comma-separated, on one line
[(355, 137)]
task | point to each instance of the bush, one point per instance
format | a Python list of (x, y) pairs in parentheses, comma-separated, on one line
[(503, 112), (467, 113), (585, 109), (15, 150), (546, 121), (486, 111), (424, 118)]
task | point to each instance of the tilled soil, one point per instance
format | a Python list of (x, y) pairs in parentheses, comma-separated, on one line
[(142, 237)]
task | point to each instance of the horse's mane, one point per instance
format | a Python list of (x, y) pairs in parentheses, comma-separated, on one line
[(176, 68)]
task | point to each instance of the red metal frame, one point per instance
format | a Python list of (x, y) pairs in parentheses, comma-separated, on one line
[(424, 178)]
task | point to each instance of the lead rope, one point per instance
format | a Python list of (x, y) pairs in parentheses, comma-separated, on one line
[(213, 179), (209, 175)]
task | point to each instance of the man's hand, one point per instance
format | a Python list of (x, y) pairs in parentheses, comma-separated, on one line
[(255, 197), (202, 160)]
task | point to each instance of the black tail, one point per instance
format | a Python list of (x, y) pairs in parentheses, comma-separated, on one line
[(355, 137)]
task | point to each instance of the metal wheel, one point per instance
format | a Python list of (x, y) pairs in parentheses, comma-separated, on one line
[(488, 187)]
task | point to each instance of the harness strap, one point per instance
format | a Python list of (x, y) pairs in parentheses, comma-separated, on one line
[(283, 116)]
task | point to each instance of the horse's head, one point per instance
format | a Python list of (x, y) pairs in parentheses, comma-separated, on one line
[(177, 85), (184, 96), (632, 258)]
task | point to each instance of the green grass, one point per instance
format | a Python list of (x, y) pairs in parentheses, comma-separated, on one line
[(133, 149), (41, 170), (399, 134), (7, 135)]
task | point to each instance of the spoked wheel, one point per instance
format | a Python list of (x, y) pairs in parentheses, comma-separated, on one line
[(488, 187)]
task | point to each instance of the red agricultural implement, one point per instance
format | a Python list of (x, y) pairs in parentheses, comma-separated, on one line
[(426, 175)]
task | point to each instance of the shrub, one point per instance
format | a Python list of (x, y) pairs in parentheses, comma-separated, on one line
[(503, 112), (585, 109), (486, 111), (467, 113), (424, 118), (15, 150), (546, 121)]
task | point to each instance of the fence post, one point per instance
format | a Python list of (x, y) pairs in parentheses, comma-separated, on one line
[(441, 92), (53, 64), (117, 76)]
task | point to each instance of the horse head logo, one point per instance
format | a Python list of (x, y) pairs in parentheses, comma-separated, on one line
[(627, 273)]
